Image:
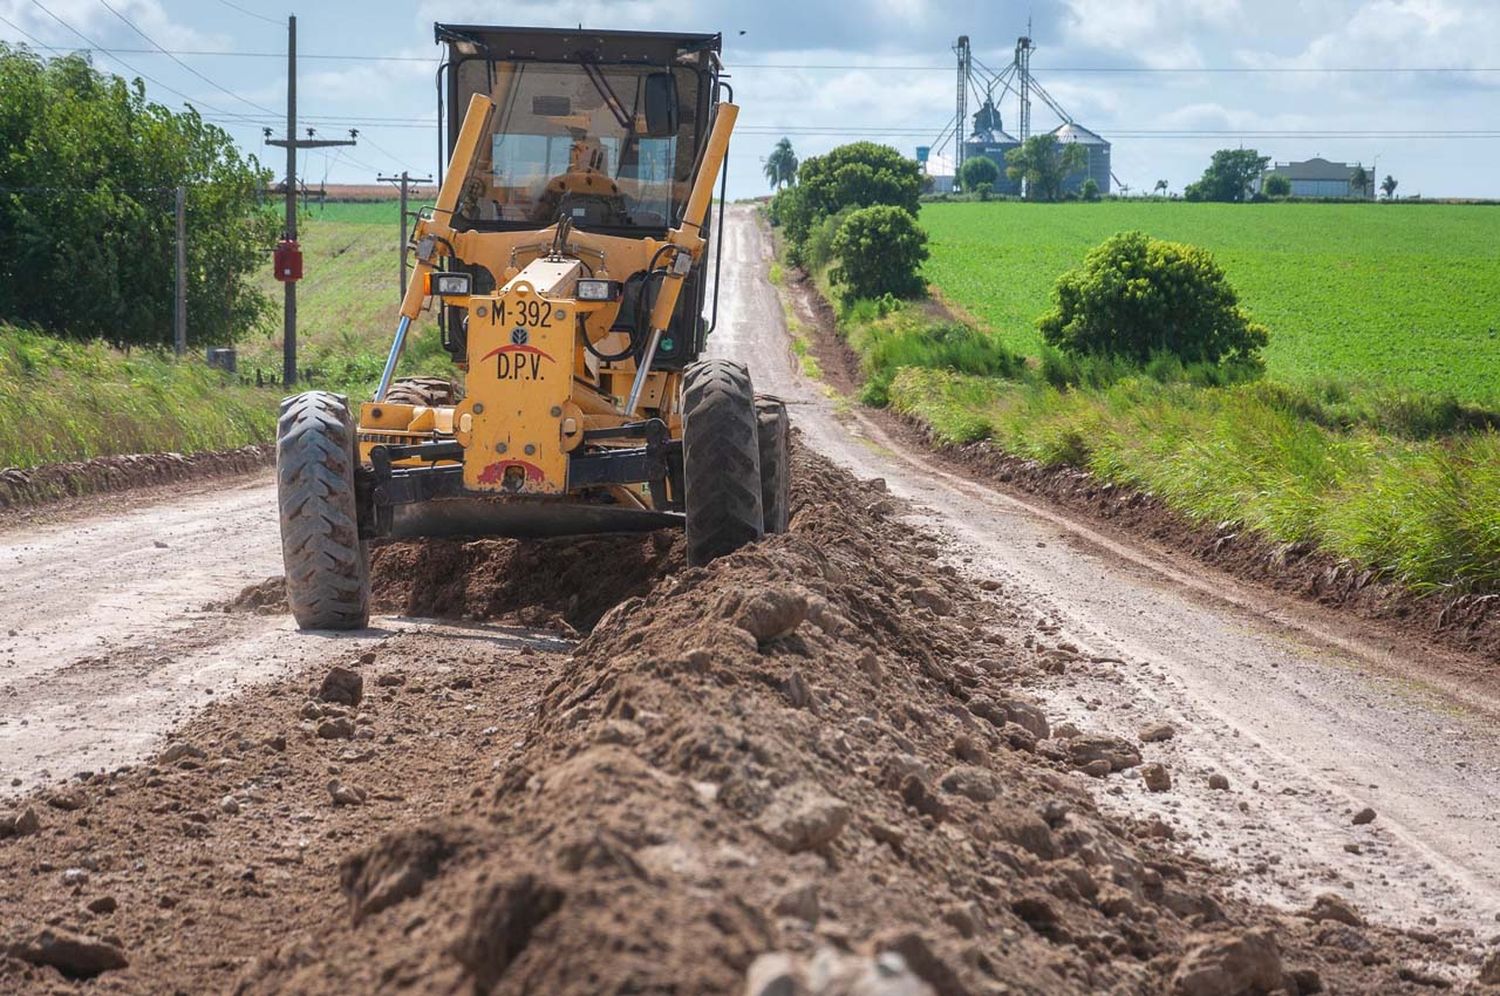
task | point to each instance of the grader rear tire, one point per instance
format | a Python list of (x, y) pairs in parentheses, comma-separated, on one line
[(327, 566), (720, 460), (427, 392), (773, 432)]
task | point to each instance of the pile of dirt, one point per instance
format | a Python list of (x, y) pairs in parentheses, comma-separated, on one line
[(811, 762), (565, 584), (809, 768), (38, 485)]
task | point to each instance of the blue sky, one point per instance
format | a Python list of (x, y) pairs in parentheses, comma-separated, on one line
[(891, 77)]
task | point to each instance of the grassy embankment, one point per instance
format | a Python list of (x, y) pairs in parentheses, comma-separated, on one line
[(62, 400), (1369, 435)]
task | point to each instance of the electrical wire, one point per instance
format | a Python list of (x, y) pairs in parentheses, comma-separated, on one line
[(94, 45), (213, 83), (250, 13)]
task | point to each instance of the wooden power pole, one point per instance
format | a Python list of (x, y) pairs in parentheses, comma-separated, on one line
[(405, 180), (179, 312), (292, 143)]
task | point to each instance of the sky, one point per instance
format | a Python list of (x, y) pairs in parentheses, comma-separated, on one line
[(1167, 81)]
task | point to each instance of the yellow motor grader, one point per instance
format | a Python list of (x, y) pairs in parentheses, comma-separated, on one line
[(565, 254)]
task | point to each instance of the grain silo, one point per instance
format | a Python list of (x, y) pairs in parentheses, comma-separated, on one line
[(1097, 165), (989, 139)]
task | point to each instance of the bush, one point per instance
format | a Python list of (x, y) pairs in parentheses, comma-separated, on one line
[(984, 190), (979, 170), (1090, 190), (1135, 297), (860, 174), (1277, 185), (879, 251)]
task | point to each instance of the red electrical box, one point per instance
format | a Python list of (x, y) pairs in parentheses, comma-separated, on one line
[(288, 261)]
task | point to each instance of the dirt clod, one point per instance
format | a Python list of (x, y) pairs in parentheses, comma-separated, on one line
[(1117, 752), (1366, 815), (1153, 733), (1218, 782), (803, 817), (1489, 969), (772, 614), (343, 686), (1332, 906), (1230, 965), (1156, 777), (76, 955)]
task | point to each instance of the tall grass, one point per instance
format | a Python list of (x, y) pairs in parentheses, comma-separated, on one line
[(62, 400), (1425, 512)]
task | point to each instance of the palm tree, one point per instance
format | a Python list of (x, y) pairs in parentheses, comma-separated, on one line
[(1360, 181), (781, 165), (1388, 186), (1161, 187)]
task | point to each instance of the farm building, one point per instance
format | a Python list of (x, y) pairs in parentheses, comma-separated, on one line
[(1097, 166), (989, 139), (1320, 178)]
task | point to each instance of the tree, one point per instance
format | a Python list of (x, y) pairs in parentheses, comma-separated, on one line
[(1388, 186), (1136, 297), (977, 170), (1161, 187), (860, 174), (879, 249), (1228, 176), (1360, 182), (87, 226), (1277, 185), (1090, 191), (781, 165), (1043, 164)]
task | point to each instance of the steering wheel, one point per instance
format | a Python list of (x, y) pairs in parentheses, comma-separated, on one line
[(586, 189)]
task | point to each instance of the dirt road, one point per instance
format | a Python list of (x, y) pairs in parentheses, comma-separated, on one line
[(1309, 722), (112, 648)]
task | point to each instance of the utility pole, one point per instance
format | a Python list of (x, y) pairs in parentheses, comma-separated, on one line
[(406, 180), (179, 313), (292, 143)]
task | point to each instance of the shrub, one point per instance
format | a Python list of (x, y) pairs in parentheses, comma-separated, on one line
[(1277, 185), (1136, 296), (879, 251), (1090, 190), (859, 175), (984, 190), (978, 170)]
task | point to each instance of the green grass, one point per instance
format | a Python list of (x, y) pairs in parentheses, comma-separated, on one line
[(1424, 513), (347, 303), (62, 400), (1381, 294)]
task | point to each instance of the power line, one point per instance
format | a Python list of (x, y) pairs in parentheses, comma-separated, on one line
[(131, 25), (90, 42), (251, 13)]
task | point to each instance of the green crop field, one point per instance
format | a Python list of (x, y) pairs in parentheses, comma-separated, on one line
[(1395, 295)]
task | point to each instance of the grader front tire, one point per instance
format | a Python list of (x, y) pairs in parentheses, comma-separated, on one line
[(327, 566), (720, 460), (773, 433)]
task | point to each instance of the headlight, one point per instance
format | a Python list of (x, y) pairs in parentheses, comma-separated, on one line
[(590, 289), (449, 284)]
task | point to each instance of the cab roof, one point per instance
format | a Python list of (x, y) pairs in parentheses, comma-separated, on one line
[(468, 41)]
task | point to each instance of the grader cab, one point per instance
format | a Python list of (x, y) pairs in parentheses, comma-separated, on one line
[(566, 256)]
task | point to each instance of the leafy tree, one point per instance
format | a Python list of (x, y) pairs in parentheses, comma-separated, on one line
[(977, 170), (781, 165), (1277, 185), (1388, 186), (1360, 182), (1228, 176), (880, 249), (1161, 187), (860, 174), (86, 208), (1090, 191), (1043, 164), (1136, 297), (984, 190)]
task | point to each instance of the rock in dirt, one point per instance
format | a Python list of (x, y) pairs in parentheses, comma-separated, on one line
[(75, 955), (1156, 777), (971, 782), (337, 728), (1229, 965), (1155, 733), (772, 614), (1366, 815), (835, 972), (180, 750), (803, 817), (103, 904), (931, 598), (924, 963), (775, 973), (345, 795), (1088, 748), (1218, 782), (1332, 906), (68, 800), (343, 686), (500, 926), (1489, 969)]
